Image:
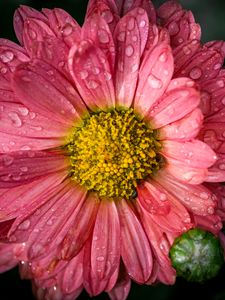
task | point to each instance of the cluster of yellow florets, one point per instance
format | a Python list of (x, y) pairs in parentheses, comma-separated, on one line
[(112, 151)]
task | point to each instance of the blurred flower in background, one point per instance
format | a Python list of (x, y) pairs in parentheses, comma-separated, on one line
[(53, 37)]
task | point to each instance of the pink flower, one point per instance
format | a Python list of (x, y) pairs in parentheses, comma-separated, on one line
[(101, 164)]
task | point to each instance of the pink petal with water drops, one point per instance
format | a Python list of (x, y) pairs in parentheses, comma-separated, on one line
[(128, 40), (97, 30), (44, 90), (218, 45), (7, 258), (196, 198), (154, 76), (12, 143), (213, 134), (194, 153), (21, 14), (53, 221), (105, 247), (122, 288), (210, 223), (173, 106), (135, 248), (171, 215), (26, 166), (166, 10), (217, 171), (160, 247), (184, 129), (106, 9), (96, 88), (82, 227), (20, 200), (205, 64), (64, 26), (184, 52), (142, 5), (17, 119)]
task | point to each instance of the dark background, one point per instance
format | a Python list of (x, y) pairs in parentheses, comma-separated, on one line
[(211, 15)]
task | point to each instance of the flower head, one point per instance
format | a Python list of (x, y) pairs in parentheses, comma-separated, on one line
[(101, 159)]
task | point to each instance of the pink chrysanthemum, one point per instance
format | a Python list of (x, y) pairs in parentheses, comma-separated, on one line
[(101, 165)]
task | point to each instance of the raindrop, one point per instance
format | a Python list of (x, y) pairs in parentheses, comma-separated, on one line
[(217, 66), (25, 148), (107, 15), (186, 50), (103, 36), (26, 79), (83, 74), (32, 115), (210, 210), (195, 73), (129, 50), (3, 70), (7, 56), (173, 28), (163, 197), (220, 83), (95, 238), (67, 30), (23, 169), (32, 34), (131, 23), (25, 225), (7, 160), (49, 223), (93, 84), (24, 111), (163, 57), (223, 100), (142, 24), (121, 36), (222, 166), (134, 38), (15, 119), (100, 258), (154, 82), (96, 70), (108, 76), (134, 68), (141, 11), (204, 195)]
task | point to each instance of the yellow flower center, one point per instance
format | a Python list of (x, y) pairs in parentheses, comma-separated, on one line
[(111, 152)]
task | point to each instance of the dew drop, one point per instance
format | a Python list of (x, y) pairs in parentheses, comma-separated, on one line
[(25, 148), (67, 30), (7, 57), (83, 74), (163, 197), (217, 66), (129, 50), (154, 82), (173, 28), (223, 100), (204, 195), (3, 70), (142, 24), (100, 258), (134, 68), (92, 84), (16, 121), (210, 210), (131, 23), (220, 83), (96, 70), (107, 15), (186, 50), (24, 111), (25, 225), (103, 36), (32, 34), (163, 57), (7, 160), (26, 79), (222, 166), (95, 238), (108, 76), (23, 169), (49, 223), (121, 36), (195, 73)]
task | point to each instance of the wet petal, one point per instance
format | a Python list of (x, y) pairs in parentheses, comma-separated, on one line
[(142, 5), (91, 72), (7, 258), (135, 249), (154, 76), (217, 171)]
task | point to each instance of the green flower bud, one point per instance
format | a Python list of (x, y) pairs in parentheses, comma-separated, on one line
[(197, 255)]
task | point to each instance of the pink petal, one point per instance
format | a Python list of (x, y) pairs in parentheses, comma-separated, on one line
[(142, 5), (210, 223), (23, 167), (205, 64), (170, 214), (175, 105), (212, 133), (92, 74), (166, 10), (194, 153), (44, 90), (82, 227), (6, 95), (131, 36), (160, 246), (219, 45), (97, 30), (196, 198), (7, 258), (105, 251), (154, 77), (184, 129), (106, 9), (217, 171), (122, 287), (18, 201), (135, 249), (64, 26), (21, 14), (12, 143)]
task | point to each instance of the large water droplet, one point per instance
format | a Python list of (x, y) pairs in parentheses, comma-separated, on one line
[(103, 36), (195, 73), (129, 50), (121, 36), (24, 111), (100, 258), (67, 30), (32, 34), (84, 74), (131, 23), (92, 84), (7, 56), (173, 28), (16, 121), (142, 23), (7, 160), (25, 225), (154, 82)]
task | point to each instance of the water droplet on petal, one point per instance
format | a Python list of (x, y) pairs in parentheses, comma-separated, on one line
[(23, 169), (222, 166), (67, 30), (16, 121), (25, 225), (154, 82), (195, 73), (142, 24), (134, 68), (220, 83), (24, 111), (108, 76), (32, 34), (210, 210), (100, 258), (26, 79), (163, 57), (83, 74), (173, 28), (217, 66), (131, 23), (3, 70), (186, 50), (7, 56), (204, 195), (25, 148), (107, 15), (96, 70), (7, 160), (129, 50), (103, 36), (163, 197), (92, 84), (121, 36), (95, 238)]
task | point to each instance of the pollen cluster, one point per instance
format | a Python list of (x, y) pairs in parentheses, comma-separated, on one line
[(111, 152)]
